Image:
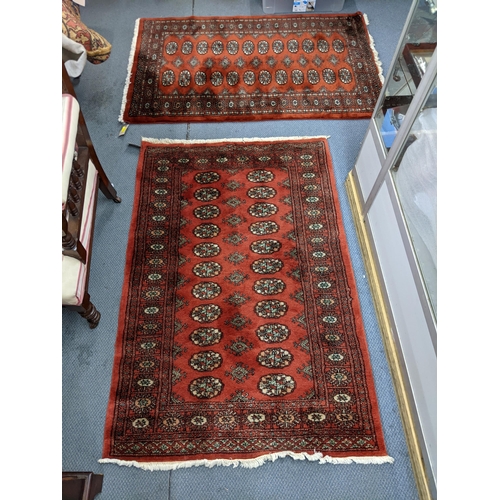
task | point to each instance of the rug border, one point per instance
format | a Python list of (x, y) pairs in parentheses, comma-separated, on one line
[(131, 62), (380, 457)]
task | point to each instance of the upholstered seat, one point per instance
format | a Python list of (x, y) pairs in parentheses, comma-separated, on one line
[(74, 271), (82, 175)]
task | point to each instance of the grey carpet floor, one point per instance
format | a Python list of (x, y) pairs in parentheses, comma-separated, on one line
[(87, 355)]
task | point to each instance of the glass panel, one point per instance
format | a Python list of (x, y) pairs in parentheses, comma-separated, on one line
[(415, 178), (414, 55)]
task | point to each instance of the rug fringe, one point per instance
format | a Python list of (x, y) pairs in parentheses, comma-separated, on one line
[(209, 141), (249, 463), (129, 70), (134, 43), (375, 52)]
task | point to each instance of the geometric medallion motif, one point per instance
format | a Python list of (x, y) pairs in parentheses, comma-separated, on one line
[(251, 68), (240, 328)]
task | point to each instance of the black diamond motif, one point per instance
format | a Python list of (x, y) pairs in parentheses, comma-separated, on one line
[(271, 62), (236, 257), (238, 322), (239, 374), (256, 62), (239, 346), (236, 277), (318, 61), (234, 202)]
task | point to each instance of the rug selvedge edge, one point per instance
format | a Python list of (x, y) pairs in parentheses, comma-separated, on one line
[(129, 71)]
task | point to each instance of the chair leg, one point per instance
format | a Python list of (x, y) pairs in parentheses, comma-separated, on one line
[(105, 185), (89, 312), (108, 189)]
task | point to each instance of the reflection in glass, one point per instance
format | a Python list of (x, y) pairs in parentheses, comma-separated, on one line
[(415, 178), (419, 44)]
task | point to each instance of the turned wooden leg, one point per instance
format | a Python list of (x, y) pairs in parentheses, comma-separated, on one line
[(89, 312)]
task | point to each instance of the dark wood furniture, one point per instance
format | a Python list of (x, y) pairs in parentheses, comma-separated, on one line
[(417, 56), (73, 214), (81, 485)]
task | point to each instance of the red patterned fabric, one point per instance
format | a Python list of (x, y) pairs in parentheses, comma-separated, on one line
[(240, 332), (97, 47), (251, 68)]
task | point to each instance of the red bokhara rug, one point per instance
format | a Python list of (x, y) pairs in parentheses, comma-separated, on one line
[(240, 337), (251, 68)]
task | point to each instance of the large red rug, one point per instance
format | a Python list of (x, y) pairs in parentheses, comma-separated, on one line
[(240, 336), (251, 68)]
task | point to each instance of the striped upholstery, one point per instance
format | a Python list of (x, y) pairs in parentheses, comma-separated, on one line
[(74, 273)]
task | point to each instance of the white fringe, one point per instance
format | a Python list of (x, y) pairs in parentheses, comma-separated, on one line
[(248, 463), (129, 70), (132, 53), (215, 141), (375, 53)]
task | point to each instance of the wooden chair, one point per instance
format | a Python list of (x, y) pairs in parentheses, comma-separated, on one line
[(81, 485), (82, 175)]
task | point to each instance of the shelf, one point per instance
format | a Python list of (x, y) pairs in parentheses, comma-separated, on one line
[(417, 47)]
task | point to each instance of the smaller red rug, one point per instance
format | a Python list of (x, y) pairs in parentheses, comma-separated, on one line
[(240, 337), (251, 68)]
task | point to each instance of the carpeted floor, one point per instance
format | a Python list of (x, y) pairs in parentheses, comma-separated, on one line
[(87, 355)]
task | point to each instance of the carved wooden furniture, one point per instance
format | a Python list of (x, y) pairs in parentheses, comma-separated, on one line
[(81, 485), (82, 174)]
